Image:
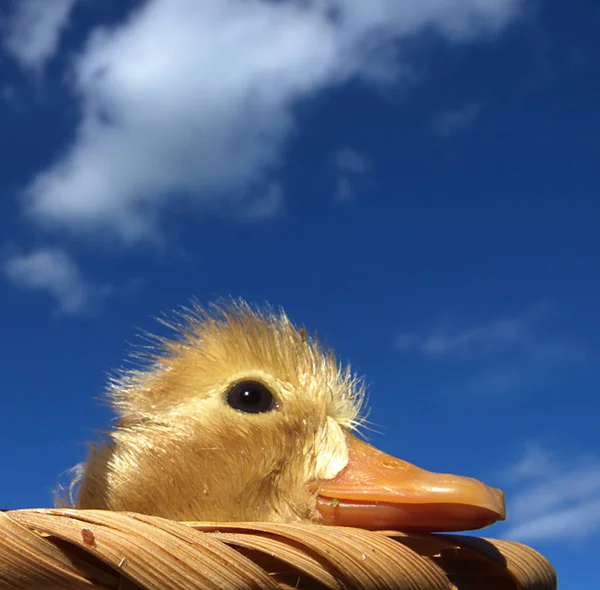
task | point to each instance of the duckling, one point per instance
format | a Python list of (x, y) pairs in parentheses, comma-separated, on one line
[(243, 417)]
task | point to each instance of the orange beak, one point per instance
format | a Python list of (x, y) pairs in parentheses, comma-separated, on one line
[(377, 491)]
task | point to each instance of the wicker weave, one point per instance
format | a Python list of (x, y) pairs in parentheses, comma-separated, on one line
[(83, 549)]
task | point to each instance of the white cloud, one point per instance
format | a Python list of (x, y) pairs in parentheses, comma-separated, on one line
[(344, 189), (508, 355), (350, 161), (508, 377), (196, 100), (471, 340), (526, 335), (536, 462), (554, 499), (268, 202), (452, 121), (577, 522), (8, 95), (52, 271), (32, 33), (350, 164)]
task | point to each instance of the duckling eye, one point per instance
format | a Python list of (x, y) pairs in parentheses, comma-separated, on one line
[(251, 397)]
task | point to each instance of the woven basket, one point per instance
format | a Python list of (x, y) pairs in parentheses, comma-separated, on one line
[(84, 549)]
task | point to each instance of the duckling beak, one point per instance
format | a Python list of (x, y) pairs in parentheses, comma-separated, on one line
[(377, 491)]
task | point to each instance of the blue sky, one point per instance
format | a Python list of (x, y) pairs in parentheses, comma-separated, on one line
[(414, 180)]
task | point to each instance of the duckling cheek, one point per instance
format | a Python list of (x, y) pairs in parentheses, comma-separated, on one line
[(331, 452)]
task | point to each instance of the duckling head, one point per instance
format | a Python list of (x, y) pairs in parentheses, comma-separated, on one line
[(243, 417)]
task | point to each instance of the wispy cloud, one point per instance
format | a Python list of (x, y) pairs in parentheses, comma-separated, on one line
[(54, 272), (554, 498), (503, 355), (470, 340), (205, 117), (452, 121), (8, 95), (268, 201), (350, 165), (351, 162), (32, 32), (524, 334)]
